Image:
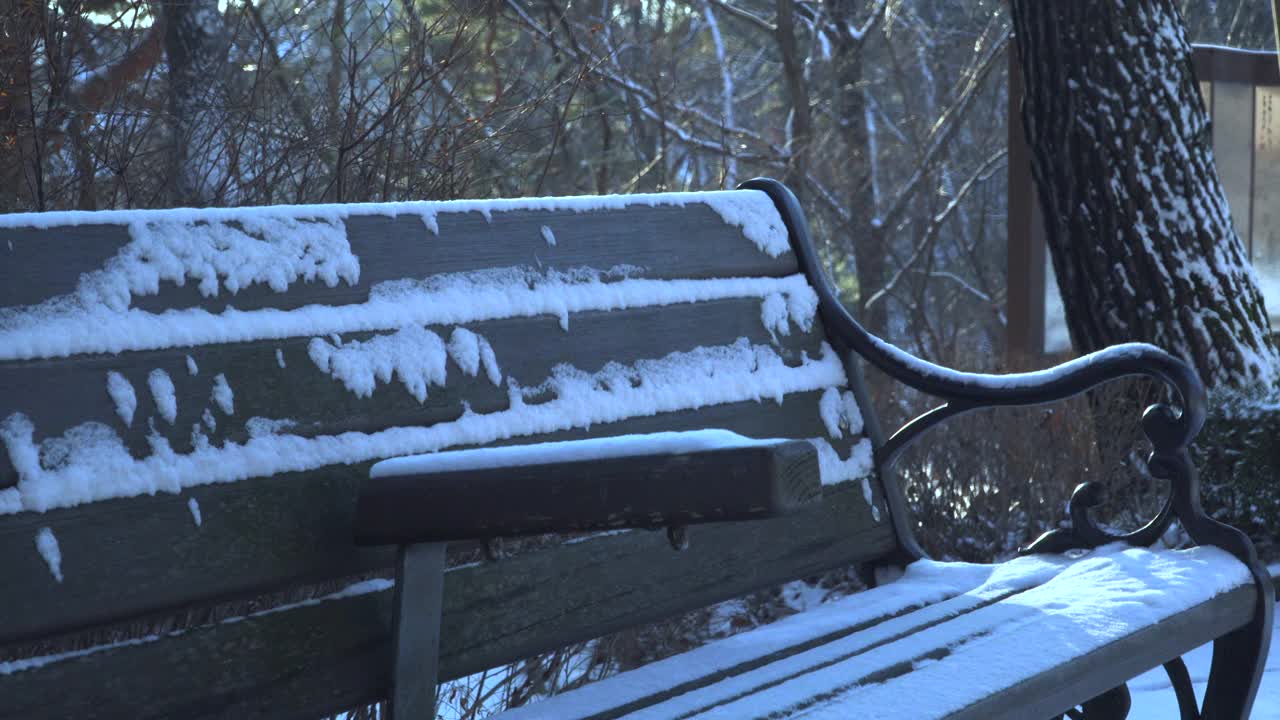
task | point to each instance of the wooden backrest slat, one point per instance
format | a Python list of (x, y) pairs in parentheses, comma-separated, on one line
[(527, 349), (42, 263), (264, 534)]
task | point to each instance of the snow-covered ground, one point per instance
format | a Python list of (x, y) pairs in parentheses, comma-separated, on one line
[(1153, 698)]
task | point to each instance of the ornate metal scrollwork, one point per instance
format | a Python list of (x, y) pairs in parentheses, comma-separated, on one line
[(1166, 429), (1169, 430)]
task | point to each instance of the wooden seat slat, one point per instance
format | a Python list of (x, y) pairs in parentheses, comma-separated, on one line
[(494, 613), (1026, 625)]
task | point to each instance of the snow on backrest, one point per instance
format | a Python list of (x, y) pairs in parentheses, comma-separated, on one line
[(209, 346)]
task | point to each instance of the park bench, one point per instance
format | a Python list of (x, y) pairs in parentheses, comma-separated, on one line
[(227, 432)]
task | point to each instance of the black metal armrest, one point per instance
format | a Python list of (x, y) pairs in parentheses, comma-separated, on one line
[(963, 391), (1170, 430), (402, 503)]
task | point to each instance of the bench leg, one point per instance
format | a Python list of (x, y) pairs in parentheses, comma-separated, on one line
[(415, 631), (1180, 680), (1238, 662)]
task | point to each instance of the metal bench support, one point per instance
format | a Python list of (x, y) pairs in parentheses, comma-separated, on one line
[(419, 595)]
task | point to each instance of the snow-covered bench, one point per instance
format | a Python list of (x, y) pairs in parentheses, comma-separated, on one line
[(191, 402)]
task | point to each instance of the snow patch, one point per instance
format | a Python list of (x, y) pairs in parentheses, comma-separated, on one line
[(10, 501), (837, 470), (280, 358), (192, 368), (839, 411), (222, 395), (261, 427), (194, 507), (198, 439), (123, 395), (775, 315), (548, 236), (162, 392), (829, 409), (471, 352), (47, 545), (413, 354), (1082, 606), (756, 215)]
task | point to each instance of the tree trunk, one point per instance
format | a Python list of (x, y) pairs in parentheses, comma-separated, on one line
[(1135, 216), (801, 123), (21, 165), (196, 48), (865, 234)]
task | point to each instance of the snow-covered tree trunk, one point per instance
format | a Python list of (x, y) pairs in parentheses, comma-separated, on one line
[(1136, 219), (196, 48)]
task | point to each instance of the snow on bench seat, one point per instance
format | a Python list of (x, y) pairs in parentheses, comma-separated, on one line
[(936, 642)]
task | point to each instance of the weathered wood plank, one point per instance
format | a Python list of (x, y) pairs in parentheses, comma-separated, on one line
[(640, 491), (270, 533), (59, 394), (417, 604), (46, 263), (309, 660), (1089, 676), (1031, 653)]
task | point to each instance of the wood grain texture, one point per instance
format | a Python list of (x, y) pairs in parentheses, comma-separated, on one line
[(1086, 677), (265, 534), (639, 491), (315, 659), (417, 601), (59, 394), (47, 263)]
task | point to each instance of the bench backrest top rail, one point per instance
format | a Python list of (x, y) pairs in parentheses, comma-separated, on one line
[(191, 398)]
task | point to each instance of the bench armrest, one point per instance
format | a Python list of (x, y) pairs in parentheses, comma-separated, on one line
[(1170, 430), (601, 484), (965, 391)]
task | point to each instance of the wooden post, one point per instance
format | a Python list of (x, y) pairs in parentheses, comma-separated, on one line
[(415, 640)]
